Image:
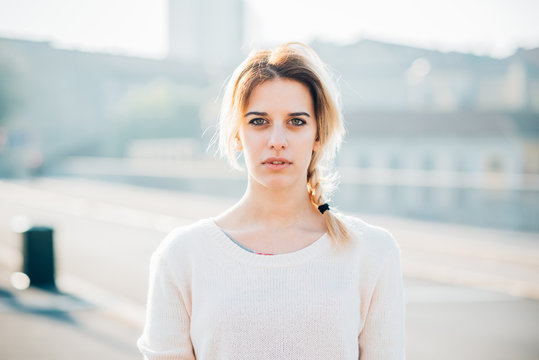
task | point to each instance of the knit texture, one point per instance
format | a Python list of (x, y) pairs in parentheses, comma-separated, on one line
[(210, 299)]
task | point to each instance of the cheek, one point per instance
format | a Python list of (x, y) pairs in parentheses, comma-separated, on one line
[(252, 144), (250, 137), (307, 143)]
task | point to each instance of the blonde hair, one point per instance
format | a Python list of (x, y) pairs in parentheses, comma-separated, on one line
[(294, 61)]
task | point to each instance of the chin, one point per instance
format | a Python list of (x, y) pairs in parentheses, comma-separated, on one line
[(275, 182)]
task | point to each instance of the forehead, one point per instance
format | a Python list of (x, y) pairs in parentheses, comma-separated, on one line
[(281, 94)]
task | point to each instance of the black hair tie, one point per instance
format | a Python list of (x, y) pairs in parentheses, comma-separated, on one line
[(323, 208)]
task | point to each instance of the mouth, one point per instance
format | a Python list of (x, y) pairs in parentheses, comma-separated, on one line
[(276, 163)]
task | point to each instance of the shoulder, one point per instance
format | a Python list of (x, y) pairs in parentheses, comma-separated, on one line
[(182, 240), (371, 240)]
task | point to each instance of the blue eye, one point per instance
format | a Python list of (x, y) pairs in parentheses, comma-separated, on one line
[(257, 121), (298, 122)]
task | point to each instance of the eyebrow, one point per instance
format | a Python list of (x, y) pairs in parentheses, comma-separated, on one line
[(258, 113)]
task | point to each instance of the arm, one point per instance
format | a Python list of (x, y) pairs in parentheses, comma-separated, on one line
[(166, 332), (383, 334)]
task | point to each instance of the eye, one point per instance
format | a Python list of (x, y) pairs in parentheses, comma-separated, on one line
[(257, 121), (297, 122)]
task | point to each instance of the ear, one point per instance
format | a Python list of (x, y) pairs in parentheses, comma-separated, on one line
[(316, 145), (239, 146)]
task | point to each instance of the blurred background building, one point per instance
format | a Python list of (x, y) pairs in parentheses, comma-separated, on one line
[(212, 38), (434, 135)]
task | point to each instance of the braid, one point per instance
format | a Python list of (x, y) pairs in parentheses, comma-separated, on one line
[(337, 230), (313, 183)]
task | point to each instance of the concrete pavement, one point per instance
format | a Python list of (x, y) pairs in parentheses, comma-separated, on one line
[(39, 324), (93, 216)]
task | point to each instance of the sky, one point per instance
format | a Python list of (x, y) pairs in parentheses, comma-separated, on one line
[(139, 27)]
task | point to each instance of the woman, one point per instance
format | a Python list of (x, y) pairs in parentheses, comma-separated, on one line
[(280, 275)]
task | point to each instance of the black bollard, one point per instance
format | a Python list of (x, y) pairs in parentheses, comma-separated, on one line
[(38, 257)]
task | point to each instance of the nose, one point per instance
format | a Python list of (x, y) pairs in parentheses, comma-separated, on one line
[(277, 139)]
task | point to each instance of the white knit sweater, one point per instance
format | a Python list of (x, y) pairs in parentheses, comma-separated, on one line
[(211, 299)]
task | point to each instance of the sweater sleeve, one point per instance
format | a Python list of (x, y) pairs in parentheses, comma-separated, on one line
[(383, 334), (166, 331)]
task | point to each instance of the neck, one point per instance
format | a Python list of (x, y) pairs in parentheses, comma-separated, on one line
[(288, 207)]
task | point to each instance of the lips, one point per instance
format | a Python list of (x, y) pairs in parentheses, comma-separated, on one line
[(277, 163)]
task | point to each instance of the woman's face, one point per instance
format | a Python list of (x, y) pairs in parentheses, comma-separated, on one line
[(278, 134)]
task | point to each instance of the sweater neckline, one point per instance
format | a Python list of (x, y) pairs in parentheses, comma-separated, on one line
[(319, 246)]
